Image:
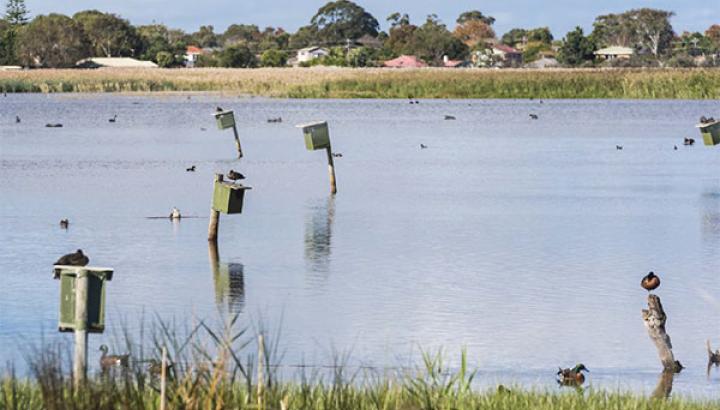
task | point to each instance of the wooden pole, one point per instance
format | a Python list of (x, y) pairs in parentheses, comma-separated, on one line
[(260, 375), (664, 386), (237, 141), (655, 318), (81, 336), (331, 170), (214, 215), (163, 378)]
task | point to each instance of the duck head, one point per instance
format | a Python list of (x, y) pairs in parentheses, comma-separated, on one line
[(580, 367), (104, 349)]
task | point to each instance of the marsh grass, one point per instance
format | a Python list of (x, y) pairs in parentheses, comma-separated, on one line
[(322, 82), (214, 367)]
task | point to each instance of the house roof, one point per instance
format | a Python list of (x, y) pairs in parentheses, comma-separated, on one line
[(311, 49), (506, 49), (453, 63), (405, 61), (544, 62), (116, 62), (194, 50), (369, 41), (615, 51)]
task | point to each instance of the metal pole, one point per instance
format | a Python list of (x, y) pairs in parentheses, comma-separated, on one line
[(215, 215), (237, 141), (163, 378), (331, 170), (81, 337)]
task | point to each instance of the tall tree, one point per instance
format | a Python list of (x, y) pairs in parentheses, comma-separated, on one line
[(16, 16), (576, 49), (109, 35), (433, 41), (643, 29), (337, 21), (401, 39), (473, 28), (157, 38), (16, 13), (713, 33), (54, 41), (205, 37), (475, 15)]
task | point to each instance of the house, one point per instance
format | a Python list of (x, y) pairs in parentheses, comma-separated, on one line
[(310, 53), (544, 62), (369, 41), (405, 61), (508, 56), (192, 53), (114, 62), (615, 52)]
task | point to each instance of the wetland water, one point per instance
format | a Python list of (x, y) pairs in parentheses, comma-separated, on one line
[(522, 240)]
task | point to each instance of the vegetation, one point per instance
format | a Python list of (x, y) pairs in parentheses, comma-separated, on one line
[(382, 83), (217, 368)]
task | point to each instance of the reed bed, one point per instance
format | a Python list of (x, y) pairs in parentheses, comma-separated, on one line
[(323, 82), (216, 368)]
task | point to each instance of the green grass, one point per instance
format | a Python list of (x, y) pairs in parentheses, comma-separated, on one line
[(381, 83)]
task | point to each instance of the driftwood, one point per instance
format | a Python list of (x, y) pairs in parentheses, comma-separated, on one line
[(654, 318)]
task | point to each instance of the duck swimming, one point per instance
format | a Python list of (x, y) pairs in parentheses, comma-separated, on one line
[(449, 117), (572, 377), (534, 116), (191, 169), (73, 259), (423, 146), (109, 361), (113, 119), (175, 214), (64, 223), (650, 281)]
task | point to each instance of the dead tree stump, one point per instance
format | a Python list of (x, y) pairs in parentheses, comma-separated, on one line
[(655, 318)]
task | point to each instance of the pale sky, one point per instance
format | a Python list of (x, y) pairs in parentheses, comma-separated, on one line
[(560, 15)]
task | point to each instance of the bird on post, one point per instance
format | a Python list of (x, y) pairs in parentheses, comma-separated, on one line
[(64, 223), (219, 109), (650, 281), (234, 175), (74, 259), (107, 361), (572, 377)]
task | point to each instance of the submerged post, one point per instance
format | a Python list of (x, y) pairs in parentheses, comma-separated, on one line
[(226, 119), (331, 170), (214, 215), (163, 378), (317, 136), (655, 318), (237, 141), (81, 336)]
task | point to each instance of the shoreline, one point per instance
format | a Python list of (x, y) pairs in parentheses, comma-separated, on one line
[(379, 83)]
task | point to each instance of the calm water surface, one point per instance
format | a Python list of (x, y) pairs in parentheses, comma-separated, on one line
[(522, 240)]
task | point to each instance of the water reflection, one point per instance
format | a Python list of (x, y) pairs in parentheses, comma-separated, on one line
[(229, 279), (664, 386), (318, 238), (710, 205)]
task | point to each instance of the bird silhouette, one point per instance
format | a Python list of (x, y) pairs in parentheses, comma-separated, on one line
[(337, 154), (534, 116), (191, 169), (55, 125), (219, 109), (17, 119), (74, 259), (108, 361), (423, 146), (688, 141), (675, 147), (650, 281), (572, 377), (449, 117), (619, 147), (175, 214), (64, 223), (113, 119), (234, 175)]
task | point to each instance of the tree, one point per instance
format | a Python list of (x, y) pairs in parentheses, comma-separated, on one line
[(16, 13), (475, 15), (340, 20), (305, 36), (53, 41), (165, 59), (16, 16), (433, 41), (109, 35), (273, 58), (155, 38), (576, 49), (237, 56), (205, 37), (514, 37), (401, 39), (541, 35), (713, 34), (241, 34), (474, 32), (643, 29)]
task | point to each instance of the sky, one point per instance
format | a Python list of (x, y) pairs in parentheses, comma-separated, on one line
[(560, 15)]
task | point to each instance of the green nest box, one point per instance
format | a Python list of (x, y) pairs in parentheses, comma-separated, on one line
[(228, 197), (710, 132), (317, 135), (224, 119), (96, 296)]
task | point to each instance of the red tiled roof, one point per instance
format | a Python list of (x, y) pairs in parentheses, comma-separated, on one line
[(506, 49), (193, 50), (405, 62)]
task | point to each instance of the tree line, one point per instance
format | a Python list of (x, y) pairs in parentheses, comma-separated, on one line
[(57, 41)]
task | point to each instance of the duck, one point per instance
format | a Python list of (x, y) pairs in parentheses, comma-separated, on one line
[(234, 175), (107, 361), (534, 116), (688, 141), (713, 357), (17, 119), (203, 129), (278, 119), (337, 154), (675, 147), (190, 169), (423, 146), (175, 214), (219, 109), (73, 259), (113, 119), (572, 377), (619, 147), (64, 223), (449, 117), (55, 125), (650, 281)]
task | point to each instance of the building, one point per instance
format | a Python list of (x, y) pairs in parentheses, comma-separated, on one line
[(448, 63), (508, 56), (405, 61), (544, 62), (369, 41), (310, 53), (615, 52), (192, 53), (114, 62)]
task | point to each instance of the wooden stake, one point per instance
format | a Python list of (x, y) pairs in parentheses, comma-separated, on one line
[(81, 336), (331, 170), (163, 378), (654, 318), (260, 375), (237, 141), (214, 215), (664, 386)]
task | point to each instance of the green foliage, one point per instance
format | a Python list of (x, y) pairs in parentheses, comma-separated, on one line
[(475, 15), (109, 35), (156, 38), (16, 12), (238, 56), (274, 58), (519, 36), (648, 30), (514, 37), (533, 49), (576, 48), (433, 41), (53, 41), (337, 21), (304, 37), (205, 37), (165, 59)]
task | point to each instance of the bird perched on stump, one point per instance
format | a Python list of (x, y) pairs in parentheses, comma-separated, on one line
[(234, 175), (74, 259), (650, 282), (572, 377), (64, 223), (107, 361)]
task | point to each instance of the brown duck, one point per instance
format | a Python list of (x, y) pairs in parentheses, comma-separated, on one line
[(572, 377), (74, 259), (650, 282), (109, 361)]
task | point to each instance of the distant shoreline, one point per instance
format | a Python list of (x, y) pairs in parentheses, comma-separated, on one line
[(319, 82)]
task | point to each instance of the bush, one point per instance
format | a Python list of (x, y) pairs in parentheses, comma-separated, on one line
[(165, 59), (274, 58)]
